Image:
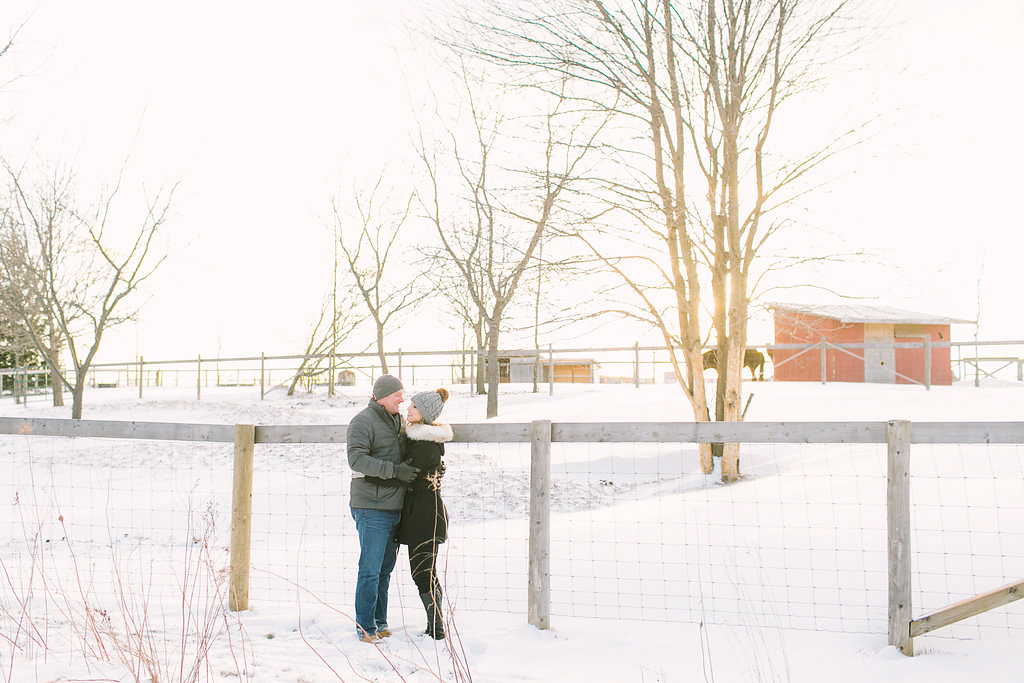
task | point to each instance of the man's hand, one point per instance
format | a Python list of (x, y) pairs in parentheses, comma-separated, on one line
[(405, 473)]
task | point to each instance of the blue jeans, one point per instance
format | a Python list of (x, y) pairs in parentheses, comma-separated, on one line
[(377, 554)]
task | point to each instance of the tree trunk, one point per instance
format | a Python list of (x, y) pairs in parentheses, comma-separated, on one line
[(721, 297), (297, 376), (481, 371), (733, 398), (380, 350), (481, 364), (57, 387), (55, 375), (493, 372), (536, 322), (77, 396), (699, 403), (731, 403), (733, 382), (721, 372)]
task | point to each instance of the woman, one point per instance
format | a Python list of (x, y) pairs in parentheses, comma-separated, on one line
[(424, 524)]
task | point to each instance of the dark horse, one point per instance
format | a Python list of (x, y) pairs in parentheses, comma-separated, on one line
[(752, 358)]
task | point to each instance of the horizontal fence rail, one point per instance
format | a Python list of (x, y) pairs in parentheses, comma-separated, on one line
[(561, 432), (114, 429), (967, 608), (532, 479)]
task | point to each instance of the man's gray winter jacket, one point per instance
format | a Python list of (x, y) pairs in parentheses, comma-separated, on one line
[(374, 451)]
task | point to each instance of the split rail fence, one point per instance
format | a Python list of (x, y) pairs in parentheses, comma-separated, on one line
[(897, 436)]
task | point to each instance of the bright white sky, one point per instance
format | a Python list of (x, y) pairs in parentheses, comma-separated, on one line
[(263, 111)]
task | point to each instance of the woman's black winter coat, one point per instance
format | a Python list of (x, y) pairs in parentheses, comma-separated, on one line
[(424, 517)]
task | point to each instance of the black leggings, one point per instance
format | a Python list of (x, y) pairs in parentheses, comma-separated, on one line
[(423, 565)]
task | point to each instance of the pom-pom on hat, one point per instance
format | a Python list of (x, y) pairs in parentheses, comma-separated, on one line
[(385, 386), (430, 403)]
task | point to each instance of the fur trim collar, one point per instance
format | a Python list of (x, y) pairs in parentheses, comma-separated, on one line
[(417, 431)]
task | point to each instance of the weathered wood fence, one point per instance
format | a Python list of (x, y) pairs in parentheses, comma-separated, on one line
[(634, 364), (899, 436)]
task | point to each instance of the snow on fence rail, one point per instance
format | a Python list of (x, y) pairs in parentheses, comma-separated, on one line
[(570, 519)]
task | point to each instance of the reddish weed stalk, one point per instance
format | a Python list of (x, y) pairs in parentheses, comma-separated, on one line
[(123, 634)]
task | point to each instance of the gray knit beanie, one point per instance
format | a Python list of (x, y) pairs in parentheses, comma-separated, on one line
[(385, 386), (430, 403)]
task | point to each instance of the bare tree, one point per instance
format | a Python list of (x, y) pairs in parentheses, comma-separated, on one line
[(489, 232), (618, 64), (35, 231), (16, 348), (320, 355), (5, 48), (74, 270), (368, 242), (696, 89), (461, 292), (750, 58)]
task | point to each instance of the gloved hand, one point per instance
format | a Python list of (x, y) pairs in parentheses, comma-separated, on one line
[(405, 473)]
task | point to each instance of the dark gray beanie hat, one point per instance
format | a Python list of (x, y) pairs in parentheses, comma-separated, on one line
[(430, 403), (385, 386)]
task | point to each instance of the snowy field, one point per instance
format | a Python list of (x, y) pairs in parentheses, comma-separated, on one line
[(113, 561)]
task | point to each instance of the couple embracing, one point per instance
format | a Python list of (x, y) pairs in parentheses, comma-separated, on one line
[(396, 500)]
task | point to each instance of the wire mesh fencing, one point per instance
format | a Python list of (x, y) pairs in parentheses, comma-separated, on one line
[(968, 530), (636, 530)]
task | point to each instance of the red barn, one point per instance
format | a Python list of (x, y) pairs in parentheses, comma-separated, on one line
[(873, 332)]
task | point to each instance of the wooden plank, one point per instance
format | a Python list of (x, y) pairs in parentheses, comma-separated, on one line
[(968, 432), (898, 516), (571, 432), (241, 519), (967, 608), (721, 432), (513, 432), (111, 429), (301, 433), (539, 564)]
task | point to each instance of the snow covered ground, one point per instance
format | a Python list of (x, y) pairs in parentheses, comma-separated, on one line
[(779, 577)]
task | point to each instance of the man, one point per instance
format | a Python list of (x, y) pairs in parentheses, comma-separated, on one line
[(379, 478)]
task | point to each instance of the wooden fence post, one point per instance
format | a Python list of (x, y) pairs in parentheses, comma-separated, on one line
[(263, 373), (199, 378), (551, 371), (824, 360), (927, 361), (241, 518), (898, 514), (636, 365), (142, 370), (539, 588)]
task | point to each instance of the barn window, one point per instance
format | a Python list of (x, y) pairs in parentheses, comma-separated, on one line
[(910, 331)]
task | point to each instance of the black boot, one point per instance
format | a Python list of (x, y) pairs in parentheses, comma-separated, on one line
[(432, 604)]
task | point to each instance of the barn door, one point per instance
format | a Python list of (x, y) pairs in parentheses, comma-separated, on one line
[(880, 363)]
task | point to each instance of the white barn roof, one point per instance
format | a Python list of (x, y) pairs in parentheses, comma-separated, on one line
[(852, 313)]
